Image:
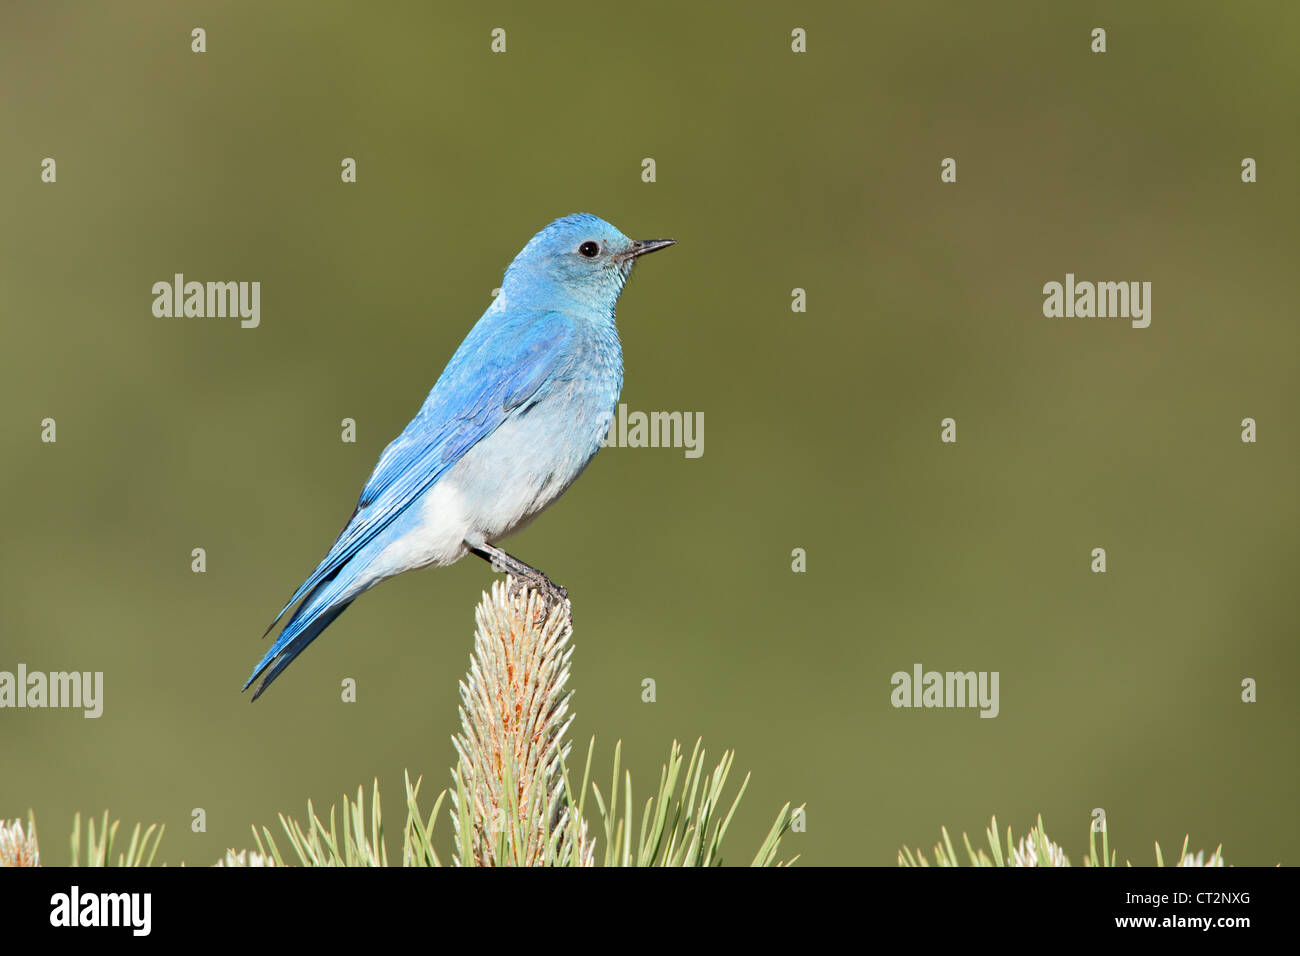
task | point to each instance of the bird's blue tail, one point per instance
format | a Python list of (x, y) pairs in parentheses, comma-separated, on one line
[(314, 615)]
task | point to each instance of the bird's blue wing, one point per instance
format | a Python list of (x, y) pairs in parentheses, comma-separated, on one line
[(472, 398), (498, 369)]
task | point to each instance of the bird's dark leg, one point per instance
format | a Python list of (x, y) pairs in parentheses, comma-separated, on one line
[(522, 573)]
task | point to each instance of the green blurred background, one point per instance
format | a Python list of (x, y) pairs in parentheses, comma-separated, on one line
[(775, 171)]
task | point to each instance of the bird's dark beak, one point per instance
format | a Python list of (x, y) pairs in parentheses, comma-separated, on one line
[(641, 247)]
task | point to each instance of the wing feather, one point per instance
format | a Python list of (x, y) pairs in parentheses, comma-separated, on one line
[(500, 366)]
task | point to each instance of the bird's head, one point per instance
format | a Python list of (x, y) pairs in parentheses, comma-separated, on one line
[(581, 257)]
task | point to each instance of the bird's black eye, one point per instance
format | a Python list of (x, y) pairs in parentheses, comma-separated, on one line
[(589, 249)]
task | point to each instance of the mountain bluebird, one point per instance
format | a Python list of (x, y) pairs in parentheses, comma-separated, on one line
[(516, 415)]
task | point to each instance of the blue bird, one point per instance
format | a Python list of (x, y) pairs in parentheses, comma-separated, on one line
[(512, 421)]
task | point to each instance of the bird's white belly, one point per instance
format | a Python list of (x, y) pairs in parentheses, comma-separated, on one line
[(516, 472), (497, 488)]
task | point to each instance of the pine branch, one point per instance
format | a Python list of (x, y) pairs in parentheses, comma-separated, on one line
[(514, 715)]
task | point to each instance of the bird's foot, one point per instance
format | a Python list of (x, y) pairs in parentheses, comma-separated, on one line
[(552, 594), (523, 577)]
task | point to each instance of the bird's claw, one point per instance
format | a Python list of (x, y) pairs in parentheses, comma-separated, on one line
[(552, 594)]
